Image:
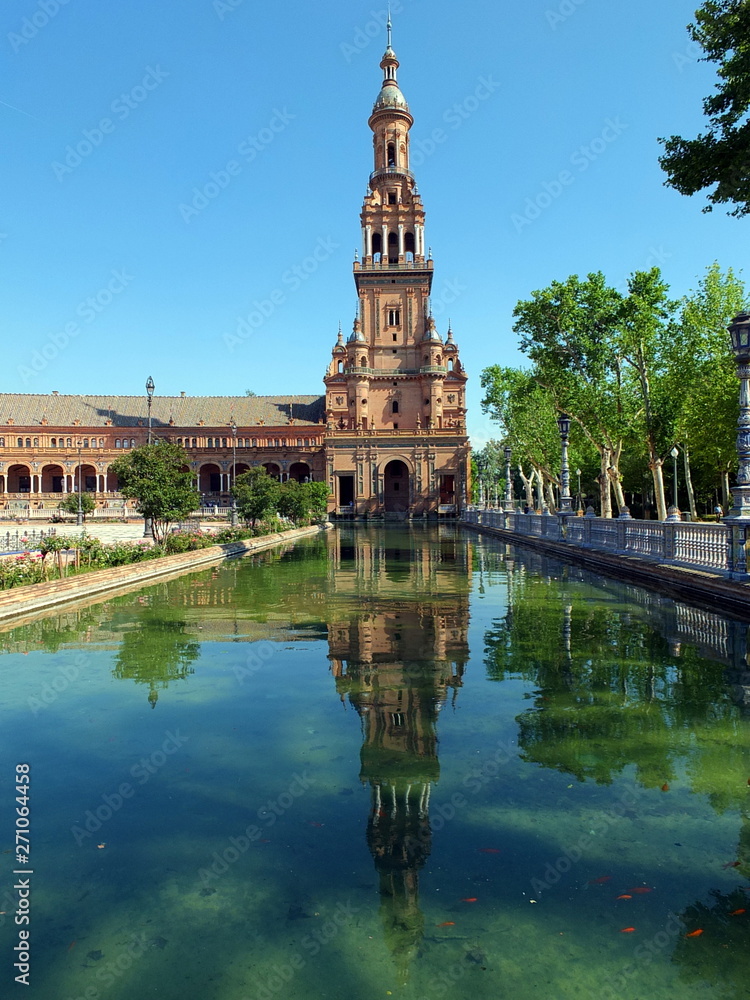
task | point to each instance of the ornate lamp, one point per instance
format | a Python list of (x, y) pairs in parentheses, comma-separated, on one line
[(739, 331), (566, 503)]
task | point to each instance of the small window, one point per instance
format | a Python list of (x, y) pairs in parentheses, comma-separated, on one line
[(195, 442), (101, 442), (395, 427), (54, 442), (132, 442), (67, 442), (395, 337), (19, 443), (2, 442), (118, 443), (223, 442), (28, 442), (255, 442), (395, 406), (299, 443), (85, 442), (391, 198), (36, 442), (394, 317)]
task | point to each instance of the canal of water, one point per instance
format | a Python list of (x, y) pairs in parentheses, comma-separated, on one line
[(408, 762)]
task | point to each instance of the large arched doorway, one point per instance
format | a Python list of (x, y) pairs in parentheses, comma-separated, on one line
[(272, 469), (52, 479), (300, 471), (396, 487), (209, 480), (19, 479)]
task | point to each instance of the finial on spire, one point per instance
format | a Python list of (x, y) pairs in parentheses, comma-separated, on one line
[(389, 26)]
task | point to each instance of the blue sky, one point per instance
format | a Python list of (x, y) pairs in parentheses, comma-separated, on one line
[(534, 145)]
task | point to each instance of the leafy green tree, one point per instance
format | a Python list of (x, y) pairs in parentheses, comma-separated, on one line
[(703, 377), (721, 155), (570, 331), (302, 501), (70, 504), (257, 494), (158, 478)]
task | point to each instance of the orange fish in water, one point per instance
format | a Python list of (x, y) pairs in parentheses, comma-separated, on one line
[(640, 889), (736, 913), (600, 880), (695, 933), (625, 896), (489, 850), (71, 946), (665, 787), (732, 864), (447, 923), (469, 899), (627, 930)]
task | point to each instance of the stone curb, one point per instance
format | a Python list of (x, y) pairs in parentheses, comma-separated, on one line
[(728, 596), (39, 597)]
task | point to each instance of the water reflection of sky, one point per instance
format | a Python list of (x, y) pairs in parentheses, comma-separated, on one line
[(351, 767)]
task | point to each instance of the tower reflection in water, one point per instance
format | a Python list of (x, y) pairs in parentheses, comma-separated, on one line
[(399, 659)]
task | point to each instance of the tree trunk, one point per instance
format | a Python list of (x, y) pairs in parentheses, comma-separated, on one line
[(614, 475), (539, 490), (661, 503), (725, 494), (551, 502), (605, 496), (527, 487), (689, 483)]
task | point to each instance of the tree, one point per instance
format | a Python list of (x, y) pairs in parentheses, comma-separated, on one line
[(158, 478), (257, 494), (570, 331), (70, 504), (720, 156), (302, 501)]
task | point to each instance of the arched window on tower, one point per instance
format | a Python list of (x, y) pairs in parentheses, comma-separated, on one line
[(377, 247), (450, 364), (363, 362), (391, 154), (392, 248), (340, 367), (409, 246)]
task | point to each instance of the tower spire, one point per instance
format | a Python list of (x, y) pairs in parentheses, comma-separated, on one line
[(390, 28)]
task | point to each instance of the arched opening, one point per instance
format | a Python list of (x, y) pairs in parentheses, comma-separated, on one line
[(377, 246), (363, 362), (409, 246), (396, 483), (52, 479), (450, 364), (111, 482), (392, 248), (86, 479), (340, 367), (300, 471), (273, 470), (209, 480), (391, 154), (19, 479), (240, 468)]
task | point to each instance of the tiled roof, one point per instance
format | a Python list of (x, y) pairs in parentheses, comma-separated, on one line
[(29, 409)]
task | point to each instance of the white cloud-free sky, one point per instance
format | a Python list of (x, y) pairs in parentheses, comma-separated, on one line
[(171, 168)]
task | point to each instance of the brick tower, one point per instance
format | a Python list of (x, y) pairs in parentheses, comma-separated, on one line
[(396, 439)]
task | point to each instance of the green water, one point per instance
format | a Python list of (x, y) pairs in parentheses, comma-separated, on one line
[(401, 762)]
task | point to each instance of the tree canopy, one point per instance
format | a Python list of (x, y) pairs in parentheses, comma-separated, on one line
[(721, 155), (158, 478)]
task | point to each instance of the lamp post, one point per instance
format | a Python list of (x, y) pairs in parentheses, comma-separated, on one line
[(234, 472), (739, 331), (79, 515), (566, 504), (148, 526), (508, 483), (673, 514), (580, 506)]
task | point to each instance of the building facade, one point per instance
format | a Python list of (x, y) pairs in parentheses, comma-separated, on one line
[(389, 435)]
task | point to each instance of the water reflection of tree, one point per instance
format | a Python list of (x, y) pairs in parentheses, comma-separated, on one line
[(156, 651), (609, 690), (719, 955)]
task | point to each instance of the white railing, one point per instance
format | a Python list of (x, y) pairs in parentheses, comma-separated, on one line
[(717, 548)]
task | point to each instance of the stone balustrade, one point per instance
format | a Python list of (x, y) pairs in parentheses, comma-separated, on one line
[(712, 548)]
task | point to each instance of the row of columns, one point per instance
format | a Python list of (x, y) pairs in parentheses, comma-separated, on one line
[(418, 240)]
